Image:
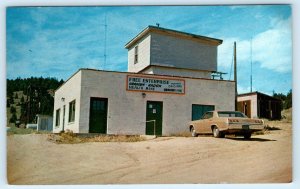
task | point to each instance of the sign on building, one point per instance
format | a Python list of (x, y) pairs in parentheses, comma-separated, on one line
[(154, 84)]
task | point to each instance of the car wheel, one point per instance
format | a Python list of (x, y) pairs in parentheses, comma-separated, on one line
[(217, 133), (193, 131), (247, 135)]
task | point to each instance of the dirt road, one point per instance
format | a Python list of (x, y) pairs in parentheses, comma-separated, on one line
[(263, 159)]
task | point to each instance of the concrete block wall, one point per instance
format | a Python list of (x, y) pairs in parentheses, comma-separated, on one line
[(69, 91), (170, 51), (143, 55), (182, 53), (127, 109), (253, 99)]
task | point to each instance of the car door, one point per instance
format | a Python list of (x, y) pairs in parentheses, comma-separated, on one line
[(207, 122), (203, 125)]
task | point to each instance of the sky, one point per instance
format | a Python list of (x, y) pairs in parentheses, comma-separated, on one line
[(57, 41)]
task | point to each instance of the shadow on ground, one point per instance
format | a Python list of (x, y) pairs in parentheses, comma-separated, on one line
[(251, 139)]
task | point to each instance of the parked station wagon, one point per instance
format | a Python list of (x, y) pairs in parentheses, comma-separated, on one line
[(220, 123)]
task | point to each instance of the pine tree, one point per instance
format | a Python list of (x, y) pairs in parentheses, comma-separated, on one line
[(22, 100), (289, 100), (13, 118), (13, 110)]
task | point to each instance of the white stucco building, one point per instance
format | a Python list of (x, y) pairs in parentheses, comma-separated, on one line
[(168, 80)]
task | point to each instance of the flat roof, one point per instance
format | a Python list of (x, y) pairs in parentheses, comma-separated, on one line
[(257, 93), (166, 31)]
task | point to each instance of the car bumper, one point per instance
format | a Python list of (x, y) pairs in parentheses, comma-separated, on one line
[(243, 128)]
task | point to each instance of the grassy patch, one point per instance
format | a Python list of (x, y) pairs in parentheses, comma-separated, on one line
[(71, 138), (21, 131), (270, 126)]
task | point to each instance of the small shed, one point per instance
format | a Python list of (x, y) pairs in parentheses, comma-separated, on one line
[(44, 122), (256, 104)]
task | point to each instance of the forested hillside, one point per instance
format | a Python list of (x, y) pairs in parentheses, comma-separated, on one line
[(28, 97), (287, 100)]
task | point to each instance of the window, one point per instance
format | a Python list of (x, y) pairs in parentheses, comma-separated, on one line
[(72, 111), (136, 52), (208, 115), (57, 119), (198, 110), (231, 114)]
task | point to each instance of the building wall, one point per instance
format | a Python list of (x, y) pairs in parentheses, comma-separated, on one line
[(70, 90), (143, 55), (253, 99), (127, 109), (171, 51), (177, 72), (268, 107), (182, 53)]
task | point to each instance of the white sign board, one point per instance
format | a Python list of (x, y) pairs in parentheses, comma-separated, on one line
[(155, 84)]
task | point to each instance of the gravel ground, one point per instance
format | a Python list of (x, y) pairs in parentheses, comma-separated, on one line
[(32, 159)]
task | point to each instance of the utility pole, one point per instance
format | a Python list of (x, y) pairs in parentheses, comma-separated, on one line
[(235, 78)]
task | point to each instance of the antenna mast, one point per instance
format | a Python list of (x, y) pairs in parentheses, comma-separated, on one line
[(251, 66), (105, 32)]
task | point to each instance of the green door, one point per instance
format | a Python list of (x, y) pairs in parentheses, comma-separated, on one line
[(98, 115), (154, 112), (198, 110)]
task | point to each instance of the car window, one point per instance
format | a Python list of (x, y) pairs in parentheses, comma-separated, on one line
[(207, 115), (231, 114)]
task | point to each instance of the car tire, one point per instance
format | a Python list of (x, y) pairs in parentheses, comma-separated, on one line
[(247, 135), (217, 133), (193, 131)]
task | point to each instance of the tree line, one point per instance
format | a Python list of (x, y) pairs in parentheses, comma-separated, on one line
[(36, 97), (287, 100)]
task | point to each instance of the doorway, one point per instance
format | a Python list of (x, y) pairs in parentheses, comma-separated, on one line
[(98, 115), (154, 118)]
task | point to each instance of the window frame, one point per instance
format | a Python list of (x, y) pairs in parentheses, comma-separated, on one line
[(72, 109)]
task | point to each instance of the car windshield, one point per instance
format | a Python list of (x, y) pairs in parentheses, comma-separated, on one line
[(231, 114)]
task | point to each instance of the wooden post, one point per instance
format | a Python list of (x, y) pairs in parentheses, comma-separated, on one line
[(235, 78)]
